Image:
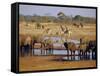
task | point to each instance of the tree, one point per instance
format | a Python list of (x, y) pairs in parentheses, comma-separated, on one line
[(78, 18), (61, 15), (63, 18), (21, 18), (38, 25)]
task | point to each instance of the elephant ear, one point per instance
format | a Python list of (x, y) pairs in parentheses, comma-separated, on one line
[(28, 40), (82, 47), (22, 39), (72, 46)]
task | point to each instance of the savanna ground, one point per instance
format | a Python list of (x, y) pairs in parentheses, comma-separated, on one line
[(35, 63)]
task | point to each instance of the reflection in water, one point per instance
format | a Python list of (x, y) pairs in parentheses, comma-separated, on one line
[(71, 58), (76, 58), (64, 52)]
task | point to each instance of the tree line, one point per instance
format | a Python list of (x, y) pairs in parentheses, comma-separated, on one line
[(61, 17)]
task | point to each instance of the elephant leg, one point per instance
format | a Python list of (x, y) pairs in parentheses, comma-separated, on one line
[(32, 50), (41, 51), (68, 54), (71, 56), (85, 54), (92, 55), (46, 52), (52, 50), (79, 55), (20, 51)]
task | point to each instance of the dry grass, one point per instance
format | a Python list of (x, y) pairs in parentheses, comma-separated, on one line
[(88, 32)]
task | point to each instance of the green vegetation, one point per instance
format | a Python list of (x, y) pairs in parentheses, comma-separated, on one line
[(84, 19), (38, 26), (61, 17)]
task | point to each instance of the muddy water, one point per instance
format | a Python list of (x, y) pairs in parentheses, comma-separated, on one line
[(64, 52)]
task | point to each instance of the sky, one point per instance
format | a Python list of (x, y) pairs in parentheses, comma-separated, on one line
[(53, 11)]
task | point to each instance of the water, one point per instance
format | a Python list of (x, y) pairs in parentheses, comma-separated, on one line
[(60, 52), (55, 52), (64, 52), (71, 58)]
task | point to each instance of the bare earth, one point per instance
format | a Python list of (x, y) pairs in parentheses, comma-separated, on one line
[(36, 63)]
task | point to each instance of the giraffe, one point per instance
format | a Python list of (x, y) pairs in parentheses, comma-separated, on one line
[(64, 31)]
